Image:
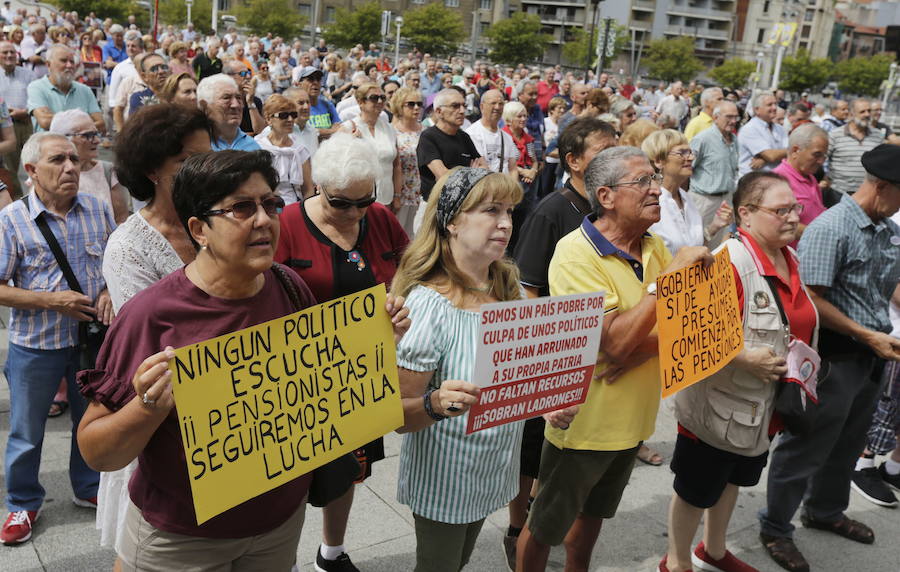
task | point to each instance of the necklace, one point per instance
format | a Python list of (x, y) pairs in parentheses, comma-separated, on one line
[(483, 289)]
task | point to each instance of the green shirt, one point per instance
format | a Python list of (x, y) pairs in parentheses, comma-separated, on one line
[(42, 93)]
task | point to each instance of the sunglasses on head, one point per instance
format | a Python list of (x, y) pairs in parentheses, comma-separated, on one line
[(243, 210), (376, 98), (286, 115), (342, 203)]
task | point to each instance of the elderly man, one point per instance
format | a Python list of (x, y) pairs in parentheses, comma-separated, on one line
[(807, 150), (846, 146), (252, 121), (709, 99), (431, 80), (322, 114), (47, 311), (134, 45), (584, 469), (114, 49), (154, 72), (851, 265), (840, 110), (494, 144), (35, 48), (875, 123), (715, 164), (675, 104), (14, 80), (222, 100), (547, 89), (59, 91), (762, 143), (302, 128), (207, 63)]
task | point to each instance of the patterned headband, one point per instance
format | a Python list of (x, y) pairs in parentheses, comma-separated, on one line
[(455, 191)]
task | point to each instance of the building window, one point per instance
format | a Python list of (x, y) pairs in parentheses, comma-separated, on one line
[(483, 27), (761, 36), (805, 32), (330, 14), (418, 1), (305, 10), (451, 3), (766, 7), (487, 4), (809, 15)]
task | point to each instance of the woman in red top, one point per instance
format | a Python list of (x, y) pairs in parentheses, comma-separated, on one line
[(514, 116), (341, 241), (91, 58)]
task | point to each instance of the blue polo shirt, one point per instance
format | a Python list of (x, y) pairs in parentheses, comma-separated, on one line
[(323, 115), (111, 51), (242, 142), (42, 93)]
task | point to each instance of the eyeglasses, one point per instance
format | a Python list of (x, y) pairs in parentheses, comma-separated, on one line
[(243, 210), (286, 115), (413, 104), (245, 73), (342, 203), (158, 68), (781, 212), (684, 153), (643, 183), (376, 98), (86, 135), (454, 105)]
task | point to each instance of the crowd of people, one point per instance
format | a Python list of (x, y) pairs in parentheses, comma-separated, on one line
[(254, 176)]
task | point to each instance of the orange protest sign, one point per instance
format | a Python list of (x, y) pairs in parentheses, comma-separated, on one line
[(699, 321)]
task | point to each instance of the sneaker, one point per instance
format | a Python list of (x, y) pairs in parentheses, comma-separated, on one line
[(340, 564), (728, 563), (509, 549), (892, 480), (664, 565), (871, 486), (17, 528), (85, 503)]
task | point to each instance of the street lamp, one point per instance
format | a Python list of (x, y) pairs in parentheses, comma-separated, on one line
[(399, 22), (188, 3), (892, 78)]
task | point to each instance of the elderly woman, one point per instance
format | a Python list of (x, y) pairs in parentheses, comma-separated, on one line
[(634, 134), (372, 125), (221, 98), (263, 81), (289, 156), (406, 106), (515, 116), (97, 176), (450, 480), (624, 111), (178, 59), (341, 241), (149, 245), (180, 89), (91, 56), (680, 223), (713, 457), (556, 108)]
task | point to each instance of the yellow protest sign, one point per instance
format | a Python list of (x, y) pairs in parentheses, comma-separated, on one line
[(264, 405), (699, 320)]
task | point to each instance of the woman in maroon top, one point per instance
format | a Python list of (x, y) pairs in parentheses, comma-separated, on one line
[(341, 241)]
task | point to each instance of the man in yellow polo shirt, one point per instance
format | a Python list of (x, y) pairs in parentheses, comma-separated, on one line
[(584, 469), (709, 99)]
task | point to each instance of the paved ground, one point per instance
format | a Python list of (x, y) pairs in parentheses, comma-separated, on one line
[(381, 536)]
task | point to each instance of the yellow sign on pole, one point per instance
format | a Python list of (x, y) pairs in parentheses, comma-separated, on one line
[(264, 405), (699, 321)]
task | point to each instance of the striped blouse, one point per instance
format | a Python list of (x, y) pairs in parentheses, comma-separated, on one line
[(446, 475)]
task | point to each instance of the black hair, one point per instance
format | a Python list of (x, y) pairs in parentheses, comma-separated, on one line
[(207, 178), (150, 136), (573, 138), (393, 81), (751, 188)]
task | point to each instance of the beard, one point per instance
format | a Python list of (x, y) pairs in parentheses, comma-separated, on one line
[(63, 78), (861, 123)]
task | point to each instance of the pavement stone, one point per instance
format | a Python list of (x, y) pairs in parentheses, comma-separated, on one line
[(381, 536)]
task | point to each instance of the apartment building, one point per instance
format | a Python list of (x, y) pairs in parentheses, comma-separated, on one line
[(757, 18)]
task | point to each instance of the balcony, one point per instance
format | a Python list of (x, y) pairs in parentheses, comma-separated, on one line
[(641, 25), (648, 5), (697, 32), (707, 13)]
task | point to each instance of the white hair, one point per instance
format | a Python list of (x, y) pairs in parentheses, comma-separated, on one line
[(620, 106), (344, 159), (54, 48), (511, 109), (804, 135), (116, 29), (31, 151), (759, 97), (208, 86), (444, 96), (607, 168), (65, 122), (720, 108), (708, 94)]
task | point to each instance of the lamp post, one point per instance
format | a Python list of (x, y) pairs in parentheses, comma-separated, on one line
[(892, 78), (215, 16), (188, 3), (399, 24)]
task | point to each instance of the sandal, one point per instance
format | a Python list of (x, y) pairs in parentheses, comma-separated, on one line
[(57, 408), (846, 527), (784, 552), (648, 456)]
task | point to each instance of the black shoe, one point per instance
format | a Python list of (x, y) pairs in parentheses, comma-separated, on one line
[(509, 550), (341, 564), (892, 480), (871, 486)]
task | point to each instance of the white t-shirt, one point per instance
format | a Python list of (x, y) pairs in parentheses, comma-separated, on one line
[(489, 145), (551, 130), (678, 227), (894, 310), (385, 141)]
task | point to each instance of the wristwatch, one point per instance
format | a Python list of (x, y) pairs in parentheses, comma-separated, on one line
[(651, 289)]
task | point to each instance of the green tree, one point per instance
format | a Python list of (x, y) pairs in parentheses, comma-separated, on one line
[(801, 73), (277, 16), (517, 39), (863, 76), (433, 28), (175, 12), (576, 49), (362, 25), (118, 10), (672, 59), (733, 73)]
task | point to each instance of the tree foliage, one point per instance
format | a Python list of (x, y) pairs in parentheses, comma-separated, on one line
[(863, 76), (361, 25), (800, 72), (577, 49), (672, 59), (280, 17), (175, 12), (517, 39), (433, 29), (118, 10), (733, 73)]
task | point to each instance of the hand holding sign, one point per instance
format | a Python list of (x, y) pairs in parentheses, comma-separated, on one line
[(153, 381), (454, 397), (399, 313), (687, 256), (562, 418)]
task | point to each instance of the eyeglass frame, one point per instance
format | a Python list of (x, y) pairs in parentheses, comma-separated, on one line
[(795, 208), (231, 210), (87, 135), (344, 203), (655, 177)]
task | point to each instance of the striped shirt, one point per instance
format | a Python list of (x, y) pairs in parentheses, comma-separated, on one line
[(845, 153), (27, 261), (858, 260), (446, 475)]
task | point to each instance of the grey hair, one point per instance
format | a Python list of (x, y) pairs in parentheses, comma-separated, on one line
[(344, 159), (620, 106), (208, 86), (511, 109), (758, 98), (708, 94), (134, 36), (835, 103), (54, 48), (411, 73), (31, 151), (608, 168), (116, 29), (719, 109), (853, 103), (64, 122), (444, 96), (804, 135)]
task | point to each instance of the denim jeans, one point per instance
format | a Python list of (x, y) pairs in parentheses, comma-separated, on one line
[(33, 376)]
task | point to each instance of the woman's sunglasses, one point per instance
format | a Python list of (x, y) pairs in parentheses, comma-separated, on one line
[(243, 210), (342, 203), (286, 115), (413, 104), (376, 98)]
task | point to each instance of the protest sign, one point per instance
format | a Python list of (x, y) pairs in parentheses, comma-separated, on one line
[(699, 320), (534, 356), (264, 405)]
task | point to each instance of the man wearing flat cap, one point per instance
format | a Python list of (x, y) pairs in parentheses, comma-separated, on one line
[(850, 260)]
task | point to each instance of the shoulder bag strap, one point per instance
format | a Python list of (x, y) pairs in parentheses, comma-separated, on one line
[(774, 288), (289, 287), (57, 251), (502, 152)]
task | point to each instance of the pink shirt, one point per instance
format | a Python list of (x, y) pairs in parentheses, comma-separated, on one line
[(805, 188)]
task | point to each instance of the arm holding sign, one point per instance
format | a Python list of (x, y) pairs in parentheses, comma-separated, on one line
[(413, 389), (399, 313)]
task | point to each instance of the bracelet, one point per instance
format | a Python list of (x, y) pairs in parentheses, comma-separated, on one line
[(429, 410)]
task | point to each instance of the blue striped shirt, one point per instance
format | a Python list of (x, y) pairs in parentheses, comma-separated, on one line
[(446, 475), (27, 261)]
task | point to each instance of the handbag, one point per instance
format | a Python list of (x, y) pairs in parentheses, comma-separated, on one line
[(332, 480), (795, 399), (90, 334)]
